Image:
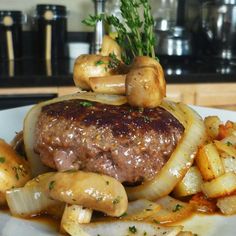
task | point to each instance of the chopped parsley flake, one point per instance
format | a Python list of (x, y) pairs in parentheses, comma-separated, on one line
[(51, 185), (86, 104), (132, 229), (2, 159), (114, 61), (229, 144), (100, 198), (99, 62), (19, 171), (116, 200), (17, 176), (146, 119), (177, 208), (124, 214), (156, 221)]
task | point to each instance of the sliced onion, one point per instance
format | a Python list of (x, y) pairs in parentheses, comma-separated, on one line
[(172, 210), (31, 119), (31, 199), (120, 228), (180, 161), (141, 209)]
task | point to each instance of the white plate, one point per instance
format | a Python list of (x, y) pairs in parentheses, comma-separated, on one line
[(11, 121)]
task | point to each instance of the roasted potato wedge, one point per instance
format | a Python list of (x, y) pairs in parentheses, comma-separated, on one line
[(190, 184), (227, 204), (209, 162), (212, 124), (14, 170), (226, 147), (220, 186), (229, 164)]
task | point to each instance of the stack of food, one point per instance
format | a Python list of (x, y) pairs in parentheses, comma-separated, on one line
[(118, 147)]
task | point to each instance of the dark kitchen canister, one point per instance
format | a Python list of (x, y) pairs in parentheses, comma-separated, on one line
[(51, 23), (11, 34)]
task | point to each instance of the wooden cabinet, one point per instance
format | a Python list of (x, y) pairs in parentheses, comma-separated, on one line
[(219, 95), (181, 93)]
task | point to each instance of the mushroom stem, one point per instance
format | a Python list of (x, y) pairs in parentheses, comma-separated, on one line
[(113, 84)]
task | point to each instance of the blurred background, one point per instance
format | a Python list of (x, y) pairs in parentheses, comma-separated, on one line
[(39, 41)]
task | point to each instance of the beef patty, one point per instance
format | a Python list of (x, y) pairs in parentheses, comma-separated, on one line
[(129, 144)]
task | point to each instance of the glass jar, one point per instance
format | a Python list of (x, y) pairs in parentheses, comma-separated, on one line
[(11, 34), (51, 24)]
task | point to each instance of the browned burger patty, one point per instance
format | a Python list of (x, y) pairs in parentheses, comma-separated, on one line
[(126, 143)]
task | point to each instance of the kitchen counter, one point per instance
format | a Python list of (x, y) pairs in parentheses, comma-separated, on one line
[(35, 73)]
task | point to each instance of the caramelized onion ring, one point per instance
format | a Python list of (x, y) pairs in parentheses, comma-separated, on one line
[(181, 159)]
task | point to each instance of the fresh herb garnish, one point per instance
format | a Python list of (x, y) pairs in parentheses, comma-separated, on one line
[(113, 61), (146, 119), (124, 214), (99, 198), (86, 104), (132, 229), (51, 185), (19, 171), (134, 35), (2, 159), (116, 200), (229, 144), (156, 221), (17, 176), (177, 208), (99, 62)]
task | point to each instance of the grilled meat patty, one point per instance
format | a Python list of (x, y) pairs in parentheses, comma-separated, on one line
[(129, 144)]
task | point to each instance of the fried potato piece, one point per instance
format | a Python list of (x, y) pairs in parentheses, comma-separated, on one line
[(227, 204), (212, 124), (14, 170), (226, 147), (209, 162), (220, 186), (229, 164), (190, 184)]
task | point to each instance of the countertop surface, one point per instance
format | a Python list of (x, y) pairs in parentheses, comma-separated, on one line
[(36, 73)]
